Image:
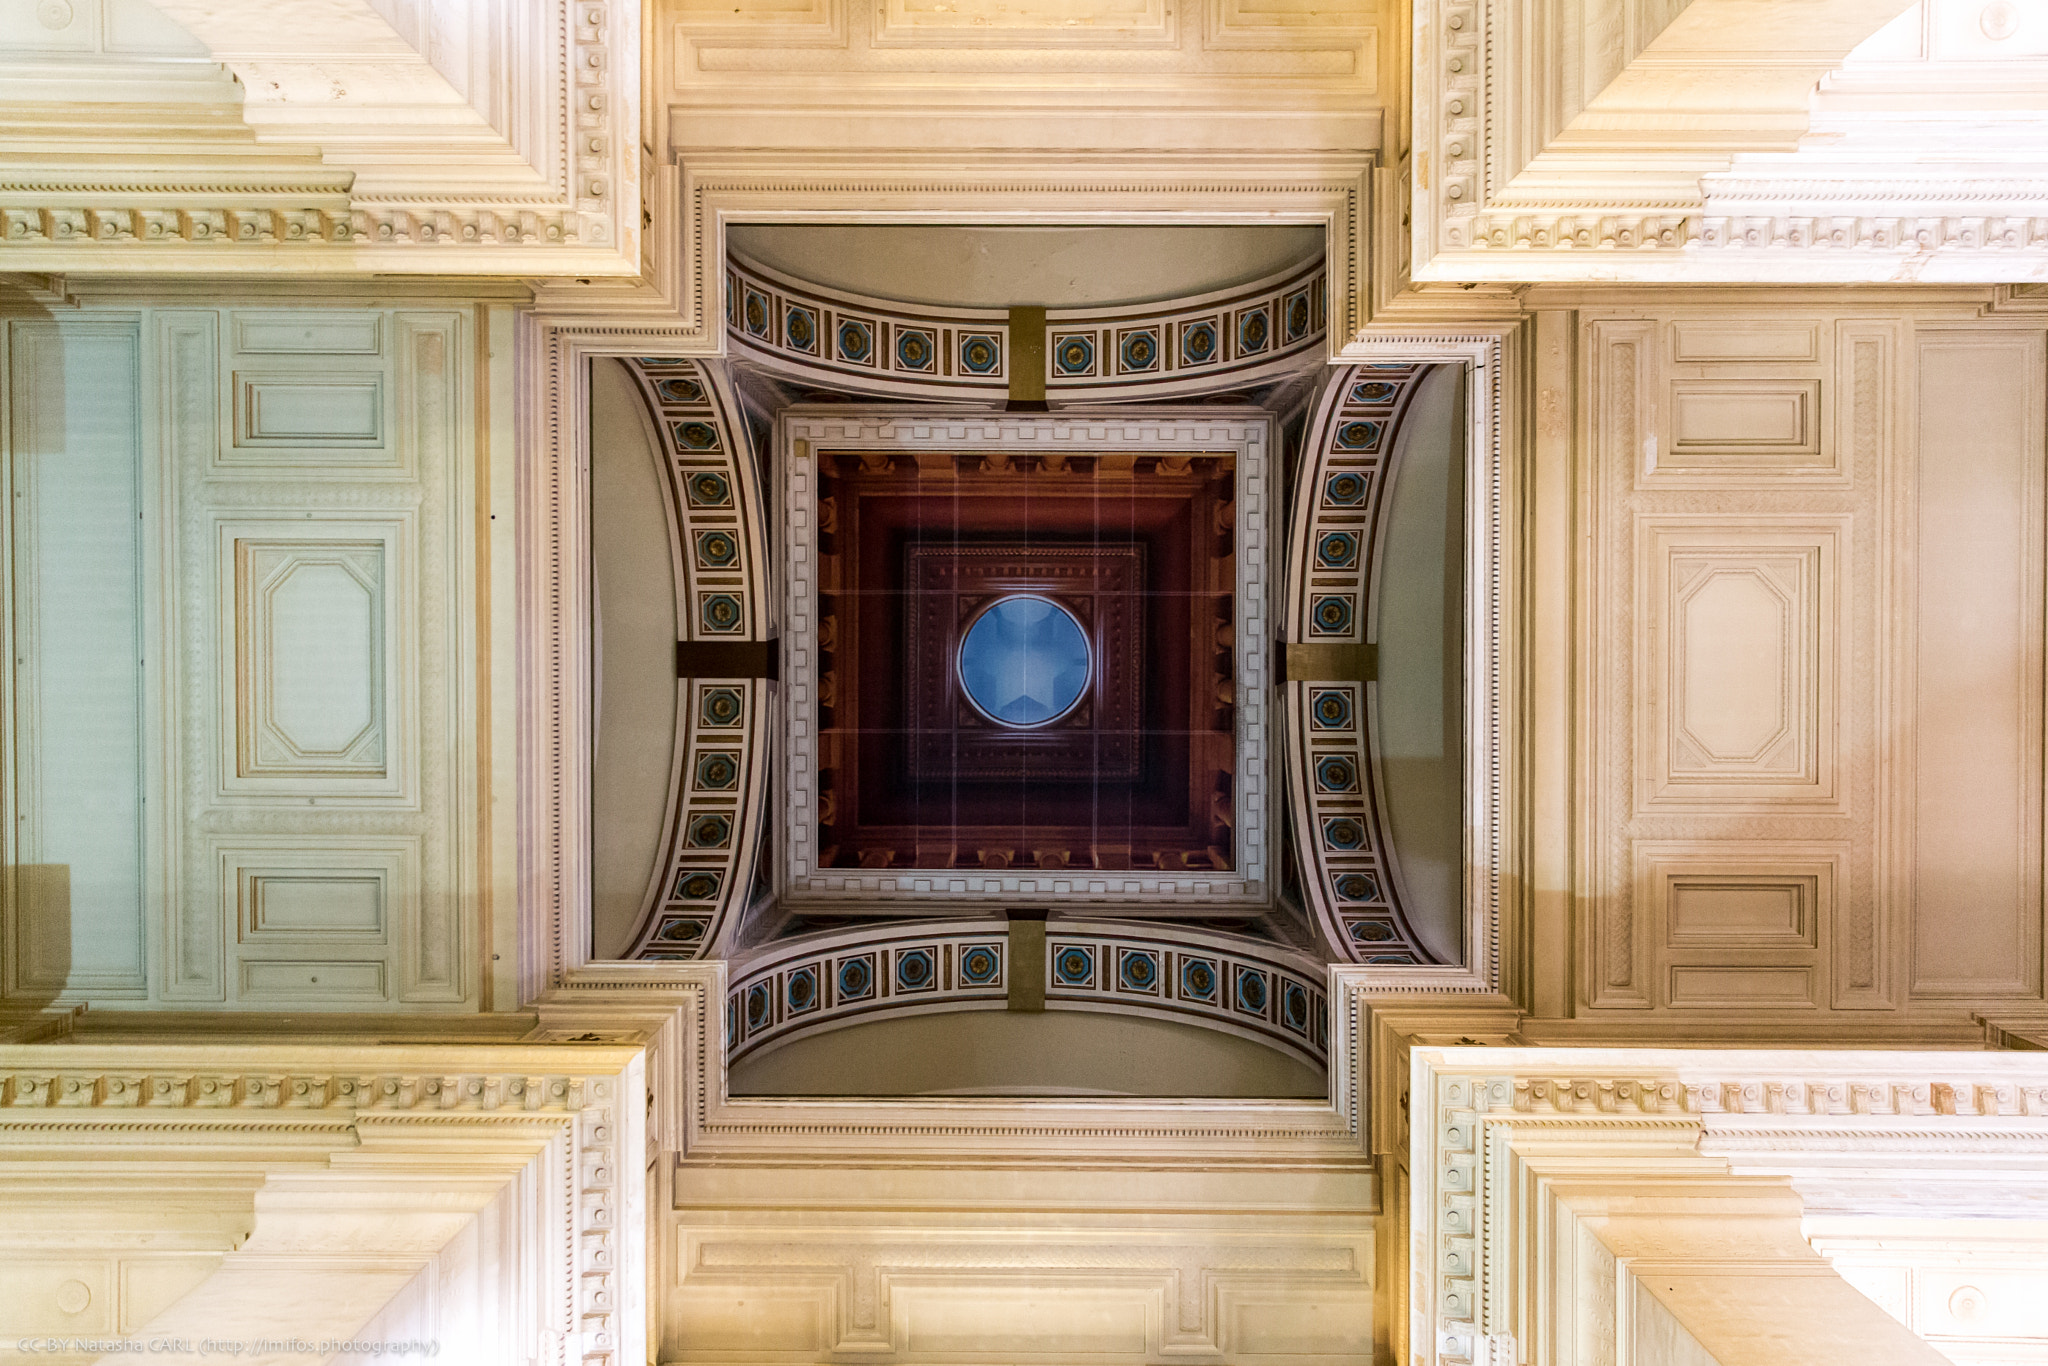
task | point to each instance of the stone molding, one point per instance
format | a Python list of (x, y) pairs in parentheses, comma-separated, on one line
[(1539, 161), (1715, 1124), (528, 169), (488, 1112)]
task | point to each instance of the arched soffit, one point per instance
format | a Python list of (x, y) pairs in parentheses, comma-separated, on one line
[(1173, 348), (1214, 981), (719, 781), (1349, 879)]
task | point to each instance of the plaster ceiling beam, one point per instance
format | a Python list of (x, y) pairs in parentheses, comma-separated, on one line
[(1610, 186), (295, 1191), (336, 75), (1721, 1181), (328, 1250)]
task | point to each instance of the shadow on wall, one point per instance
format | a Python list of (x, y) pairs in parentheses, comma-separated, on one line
[(38, 949), (1023, 1053)]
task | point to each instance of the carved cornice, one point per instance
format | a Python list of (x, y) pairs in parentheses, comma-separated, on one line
[(1525, 172), (566, 199), (143, 1101), (1826, 1120)]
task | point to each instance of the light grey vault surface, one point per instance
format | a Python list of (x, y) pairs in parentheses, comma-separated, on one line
[(995, 1052)]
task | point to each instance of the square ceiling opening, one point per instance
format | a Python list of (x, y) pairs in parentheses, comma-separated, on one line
[(1023, 657)]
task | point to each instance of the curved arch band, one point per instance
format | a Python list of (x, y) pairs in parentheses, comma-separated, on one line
[(1349, 880), (1212, 981), (1210, 342), (718, 779)]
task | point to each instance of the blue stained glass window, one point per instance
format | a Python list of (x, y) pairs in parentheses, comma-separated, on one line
[(1025, 661)]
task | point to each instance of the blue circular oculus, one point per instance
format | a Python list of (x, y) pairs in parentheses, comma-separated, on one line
[(1024, 661)]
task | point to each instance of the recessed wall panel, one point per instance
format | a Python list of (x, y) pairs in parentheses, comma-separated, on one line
[(1976, 712), (75, 894)]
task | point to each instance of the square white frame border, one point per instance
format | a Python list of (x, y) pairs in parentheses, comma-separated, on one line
[(1249, 435)]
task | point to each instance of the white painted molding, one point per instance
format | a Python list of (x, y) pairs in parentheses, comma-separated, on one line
[(1671, 144), (323, 1178), (494, 138), (1669, 1160)]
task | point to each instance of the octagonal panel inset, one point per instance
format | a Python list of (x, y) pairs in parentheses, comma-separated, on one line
[(1737, 700), (1733, 702), (321, 612), (308, 638)]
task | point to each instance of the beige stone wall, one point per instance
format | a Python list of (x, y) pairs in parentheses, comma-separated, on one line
[(249, 559), (1804, 542)]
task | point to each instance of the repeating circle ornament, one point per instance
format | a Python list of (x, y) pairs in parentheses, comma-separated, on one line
[(1337, 550), (1998, 20), (1198, 344), (1356, 887), (717, 549), (708, 489), (721, 707), (1358, 436), (800, 990), (696, 436), (1254, 330), (915, 970), (856, 341), (1330, 709), (1374, 391), (1343, 833), (73, 1297), (1336, 773), (679, 389), (1074, 966), (1198, 979), (760, 1007), (1252, 991), (979, 965), (720, 612), (1294, 1007), (980, 354), (1138, 971), (1331, 614), (915, 349), (800, 329), (718, 771), (1371, 932), (1345, 489), (755, 313), (697, 885), (1297, 316), (1075, 355), (1968, 1303), (1024, 661), (681, 932), (712, 830), (856, 978), (1139, 351)]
